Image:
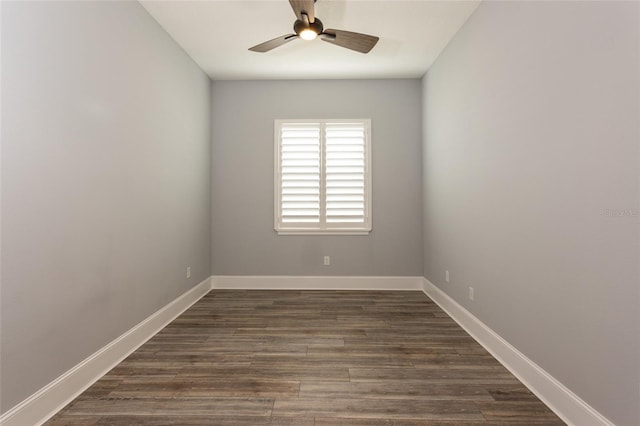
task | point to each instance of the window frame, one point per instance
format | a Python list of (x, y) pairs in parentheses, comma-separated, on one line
[(322, 228)]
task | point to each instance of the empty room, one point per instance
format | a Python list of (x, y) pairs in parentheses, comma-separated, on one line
[(340, 212)]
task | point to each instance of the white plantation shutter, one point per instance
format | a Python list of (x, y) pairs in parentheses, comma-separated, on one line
[(323, 181), (300, 173), (345, 172)]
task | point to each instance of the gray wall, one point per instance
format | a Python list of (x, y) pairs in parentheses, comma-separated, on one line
[(531, 187), (105, 181), (244, 241)]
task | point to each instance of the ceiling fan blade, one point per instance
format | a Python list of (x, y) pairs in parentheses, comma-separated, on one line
[(272, 44), (303, 6), (355, 41)]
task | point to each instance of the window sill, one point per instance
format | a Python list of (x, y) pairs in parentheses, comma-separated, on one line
[(323, 232)]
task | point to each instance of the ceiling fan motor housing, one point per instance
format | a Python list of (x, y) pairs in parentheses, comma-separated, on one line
[(315, 26)]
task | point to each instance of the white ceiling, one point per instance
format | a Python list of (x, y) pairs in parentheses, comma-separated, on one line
[(217, 34)]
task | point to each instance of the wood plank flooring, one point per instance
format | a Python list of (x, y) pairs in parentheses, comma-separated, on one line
[(309, 358)]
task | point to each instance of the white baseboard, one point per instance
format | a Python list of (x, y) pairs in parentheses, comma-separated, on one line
[(39, 407), (42, 405), (567, 405), (270, 282)]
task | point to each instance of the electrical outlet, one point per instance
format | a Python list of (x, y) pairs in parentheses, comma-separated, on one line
[(188, 271), (470, 293), (327, 260), (446, 275)]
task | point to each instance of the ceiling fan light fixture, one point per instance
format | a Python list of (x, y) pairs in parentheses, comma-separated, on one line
[(308, 30), (308, 34)]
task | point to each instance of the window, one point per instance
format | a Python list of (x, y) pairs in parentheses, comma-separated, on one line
[(323, 177)]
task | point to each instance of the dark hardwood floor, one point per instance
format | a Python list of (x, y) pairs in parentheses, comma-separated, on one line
[(309, 358)]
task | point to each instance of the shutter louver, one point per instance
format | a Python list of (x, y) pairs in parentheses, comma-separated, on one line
[(345, 172), (300, 172)]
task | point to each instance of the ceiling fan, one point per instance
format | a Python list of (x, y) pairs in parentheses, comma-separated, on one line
[(308, 27)]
